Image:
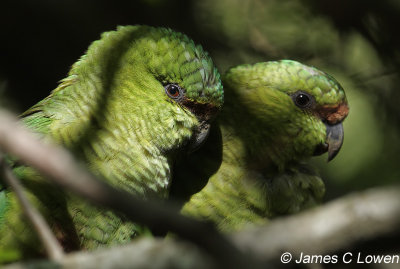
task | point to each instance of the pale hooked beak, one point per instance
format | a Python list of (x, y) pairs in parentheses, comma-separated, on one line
[(200, 136), (334, 139)]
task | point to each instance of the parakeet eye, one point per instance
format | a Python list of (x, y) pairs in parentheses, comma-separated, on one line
[(173, 91), (302, 99)]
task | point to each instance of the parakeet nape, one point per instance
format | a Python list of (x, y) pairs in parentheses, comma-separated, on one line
[(276, 115), (140, 98)]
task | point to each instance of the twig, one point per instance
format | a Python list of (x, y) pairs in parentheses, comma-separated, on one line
[(49, 241), (59, 166)]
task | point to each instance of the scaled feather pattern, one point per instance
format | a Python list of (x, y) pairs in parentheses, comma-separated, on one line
[(276, 116), (139, 99)]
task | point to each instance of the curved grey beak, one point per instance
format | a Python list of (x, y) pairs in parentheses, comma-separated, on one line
[(334, 139), (200, 137)]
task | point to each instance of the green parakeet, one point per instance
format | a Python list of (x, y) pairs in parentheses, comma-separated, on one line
[(140, 98), (276, 115)]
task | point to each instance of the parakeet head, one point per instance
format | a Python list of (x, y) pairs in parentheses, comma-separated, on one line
[(173, 82), (190, 80), (298, 110)]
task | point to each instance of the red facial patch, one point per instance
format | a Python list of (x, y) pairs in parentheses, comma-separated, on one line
[(333, 113)]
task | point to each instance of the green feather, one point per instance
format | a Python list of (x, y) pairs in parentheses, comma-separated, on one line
[(265, 139), (113, 113), (3, 204)]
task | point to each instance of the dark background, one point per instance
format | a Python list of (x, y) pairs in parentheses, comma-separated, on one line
[(356, 41)]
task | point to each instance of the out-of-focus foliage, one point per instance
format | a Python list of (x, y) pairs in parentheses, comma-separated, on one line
[(356, 41)]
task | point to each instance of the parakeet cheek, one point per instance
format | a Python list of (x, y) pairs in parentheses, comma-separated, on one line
[(319, 145), (311, 137), (182, 126)]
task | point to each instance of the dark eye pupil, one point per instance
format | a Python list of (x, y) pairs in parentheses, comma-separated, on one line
[(173, 90), (302, 100)]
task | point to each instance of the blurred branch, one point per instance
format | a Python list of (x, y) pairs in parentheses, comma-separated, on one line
[(328, 229), (332, 227), (336, 226), (49, 241), (59, 166), (142, 253)]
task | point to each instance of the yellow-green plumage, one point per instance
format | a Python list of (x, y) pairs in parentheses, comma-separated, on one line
[(118, 113), (267, 131)]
